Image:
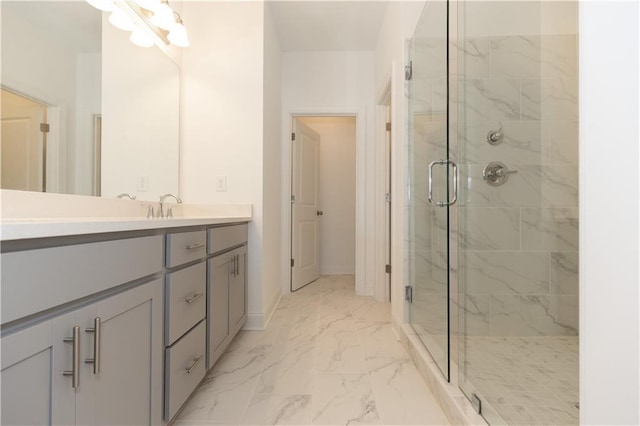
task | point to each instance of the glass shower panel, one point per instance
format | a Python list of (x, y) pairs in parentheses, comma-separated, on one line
[(427, 243), (517, 77)]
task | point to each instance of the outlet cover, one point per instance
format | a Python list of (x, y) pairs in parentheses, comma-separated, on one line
[(221, 184)]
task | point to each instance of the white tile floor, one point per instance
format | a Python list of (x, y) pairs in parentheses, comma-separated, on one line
[(328, 357), (527, 380)]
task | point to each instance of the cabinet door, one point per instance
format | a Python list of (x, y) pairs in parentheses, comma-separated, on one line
[(218, 269), (34, 389), (237, 288), (128, 386)]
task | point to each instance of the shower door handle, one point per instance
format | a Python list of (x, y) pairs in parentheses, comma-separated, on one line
[(453, 200)]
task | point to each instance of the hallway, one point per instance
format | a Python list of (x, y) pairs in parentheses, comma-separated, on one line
[(327, 357)]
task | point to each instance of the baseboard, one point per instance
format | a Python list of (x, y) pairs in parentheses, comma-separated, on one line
[(452, 401), (261, 321)]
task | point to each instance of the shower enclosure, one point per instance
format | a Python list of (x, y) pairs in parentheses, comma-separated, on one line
[(492, 243)]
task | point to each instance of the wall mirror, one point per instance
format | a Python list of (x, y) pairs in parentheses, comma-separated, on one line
[(84, 111)]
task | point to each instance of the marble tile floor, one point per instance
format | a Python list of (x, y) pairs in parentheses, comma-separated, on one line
[(527, 380), (328, 357)]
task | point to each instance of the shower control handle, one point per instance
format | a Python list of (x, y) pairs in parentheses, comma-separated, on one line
[(496, 173)]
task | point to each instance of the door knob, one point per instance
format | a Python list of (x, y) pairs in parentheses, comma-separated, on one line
[(319, 213)]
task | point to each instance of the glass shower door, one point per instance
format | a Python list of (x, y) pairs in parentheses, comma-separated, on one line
[(431, 183), (518, 210)]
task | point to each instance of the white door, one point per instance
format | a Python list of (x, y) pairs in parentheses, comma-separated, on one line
[(305, 233), (22, 143), (387, 210)]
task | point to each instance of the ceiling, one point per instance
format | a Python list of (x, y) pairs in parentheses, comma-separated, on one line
[(327, 25)]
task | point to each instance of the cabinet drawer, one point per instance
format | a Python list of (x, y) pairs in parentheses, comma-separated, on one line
[(185, 302), (225, 237), (40, 279), (184, 368), (185, 247)]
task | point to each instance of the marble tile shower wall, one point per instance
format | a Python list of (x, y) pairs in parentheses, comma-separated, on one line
[(518, 243)]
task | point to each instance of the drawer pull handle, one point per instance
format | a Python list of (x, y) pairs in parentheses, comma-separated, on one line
[(195, 246), (74, 373), (97, 330), (195, 362), (193, 298)]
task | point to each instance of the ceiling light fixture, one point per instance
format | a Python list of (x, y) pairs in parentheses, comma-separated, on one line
[(103, 5), (139, 37), (178, 34), (163, 16), (121, 20)]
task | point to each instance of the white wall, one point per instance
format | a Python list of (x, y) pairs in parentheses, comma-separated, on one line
[(140, 117), (229, 90), (272, 191), (337, 189), (609, 213), (334, 82), (390, 57)]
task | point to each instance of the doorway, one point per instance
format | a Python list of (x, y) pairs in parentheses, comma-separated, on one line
[(24, 150), (323, 197)]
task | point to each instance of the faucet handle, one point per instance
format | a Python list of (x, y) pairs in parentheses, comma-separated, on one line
[(150, 214)]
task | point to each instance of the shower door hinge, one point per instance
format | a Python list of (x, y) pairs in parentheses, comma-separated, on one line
[(388, 127), (387, 197), (293, 263), (408, 71), (408, 293), (44, 127), (293, 199), (476, 403), (387, 269), (293, 136)]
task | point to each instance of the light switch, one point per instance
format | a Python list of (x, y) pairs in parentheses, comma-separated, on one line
[(143, 183), (221, 184)]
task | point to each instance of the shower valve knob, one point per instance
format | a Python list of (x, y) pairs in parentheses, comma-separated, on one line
[(496, 173), (494, 137)]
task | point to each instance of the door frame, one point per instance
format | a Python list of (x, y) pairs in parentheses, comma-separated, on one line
[(384, 158), (361, 229)]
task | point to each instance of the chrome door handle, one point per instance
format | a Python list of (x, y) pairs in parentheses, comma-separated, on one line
[(195, 246), (193, 298), (195, 362), (74, 373), (453, 200), (97, 332)]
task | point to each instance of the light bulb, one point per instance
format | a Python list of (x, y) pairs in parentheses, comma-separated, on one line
[(139, 37), (151, 5), (104, 5), (121, 20), (163, 16), (178, 35)]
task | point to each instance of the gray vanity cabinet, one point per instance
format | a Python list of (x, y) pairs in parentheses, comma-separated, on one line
[(227, 284), (34, 391), (125, 388)]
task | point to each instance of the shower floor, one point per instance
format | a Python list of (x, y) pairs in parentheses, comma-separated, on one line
[(526, 380)]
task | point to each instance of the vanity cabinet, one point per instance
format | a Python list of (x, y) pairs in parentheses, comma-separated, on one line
[(120, 386), (185, 312), (227, 287)]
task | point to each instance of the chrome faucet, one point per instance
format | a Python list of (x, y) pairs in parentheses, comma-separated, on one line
[(161, 205), (129, 196)]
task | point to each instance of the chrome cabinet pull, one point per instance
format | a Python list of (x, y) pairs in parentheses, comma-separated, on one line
[(232, 264), (75, 363), (193, 298), (196, 361), (195, 246), (237, 265), (97, 332), (453, 200)]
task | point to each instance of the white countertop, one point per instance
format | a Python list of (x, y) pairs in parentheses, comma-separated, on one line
[(18, 229)]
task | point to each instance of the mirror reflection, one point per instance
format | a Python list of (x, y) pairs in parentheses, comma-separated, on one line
[(84, 111)]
